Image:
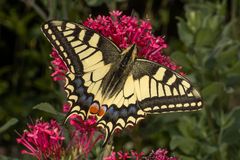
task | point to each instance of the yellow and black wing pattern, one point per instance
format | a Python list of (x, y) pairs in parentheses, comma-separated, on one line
[(160, 89), (82, 51), (149, 89), (98, 76)]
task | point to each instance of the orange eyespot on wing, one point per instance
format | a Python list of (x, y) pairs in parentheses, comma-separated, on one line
[(102, 111), (94, 108)]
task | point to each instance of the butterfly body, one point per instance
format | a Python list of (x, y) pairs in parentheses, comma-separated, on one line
[(118, 74), (114, 85)]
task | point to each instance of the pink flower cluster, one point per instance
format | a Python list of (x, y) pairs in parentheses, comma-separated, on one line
[(43, 140), (160, 154), (59, 66), (126, 30), (66, 107), (125, 155), (83, 135)]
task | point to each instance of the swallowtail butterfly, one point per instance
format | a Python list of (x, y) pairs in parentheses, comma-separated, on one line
[(114, 85)]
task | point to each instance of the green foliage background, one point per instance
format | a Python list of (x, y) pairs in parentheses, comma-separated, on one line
[(203, 37)]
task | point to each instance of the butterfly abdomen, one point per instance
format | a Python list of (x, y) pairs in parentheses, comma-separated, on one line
[(115, 80)]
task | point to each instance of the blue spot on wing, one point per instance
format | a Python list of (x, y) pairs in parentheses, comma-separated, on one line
[(84, 99), (114, 113), (77, 82)]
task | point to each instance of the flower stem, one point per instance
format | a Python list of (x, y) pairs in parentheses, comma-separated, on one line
[(38, 9), (108, 148)]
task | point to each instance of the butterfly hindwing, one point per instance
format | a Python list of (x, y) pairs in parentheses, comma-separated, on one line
[(77, 95), (160, 89), (120, 117)]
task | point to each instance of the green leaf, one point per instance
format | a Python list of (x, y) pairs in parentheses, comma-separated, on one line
[(214, 22), (212, 91), (205, 37), (185, 32), (94, 3), (3, 86), (194, 18), (183, 157), (186, 126), (46, 107), (185, 144), (228, 56), (233, 80), (207, 148), (8, 124), (2, 157), (235, 69), (231, 134), (181, 59)]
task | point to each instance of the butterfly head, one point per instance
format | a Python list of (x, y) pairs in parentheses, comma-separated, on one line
[(129, 55), (133, 50)]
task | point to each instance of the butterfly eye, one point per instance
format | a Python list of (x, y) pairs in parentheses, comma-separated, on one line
[(102, 110), (94, 108)]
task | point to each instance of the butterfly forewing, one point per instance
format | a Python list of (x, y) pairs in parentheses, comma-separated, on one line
[(80, 47), (82, 50)]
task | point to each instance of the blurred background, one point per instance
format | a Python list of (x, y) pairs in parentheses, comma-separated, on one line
[(203, 37)]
